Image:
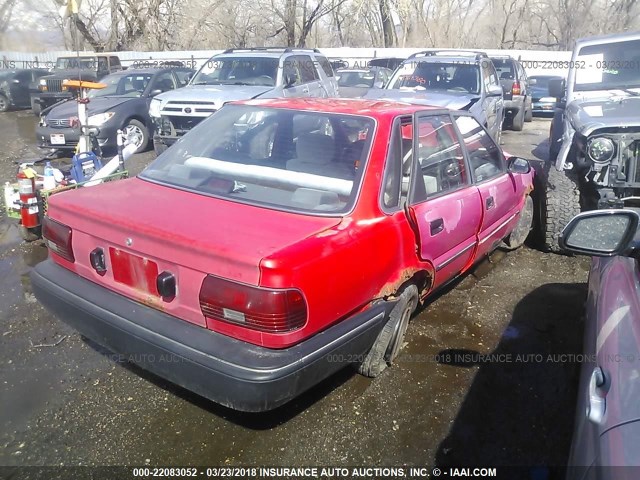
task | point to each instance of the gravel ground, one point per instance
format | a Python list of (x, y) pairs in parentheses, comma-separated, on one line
[(478, 381)]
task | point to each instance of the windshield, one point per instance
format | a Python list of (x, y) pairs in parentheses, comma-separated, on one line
[(437, 76), (132, 85), (356, 79), (285, 159), (608, 66), (238, 71), (67, 63)]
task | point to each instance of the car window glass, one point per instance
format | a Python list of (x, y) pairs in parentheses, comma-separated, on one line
[(392, 179), (131, 85), (292, 70), (440, 167), (308, 69), (307, 161), (115, 61), (102, 63), (182, 75), (485, 157), (326, 66), (164, 82), (505, 69), (486, 76), (463, 76)]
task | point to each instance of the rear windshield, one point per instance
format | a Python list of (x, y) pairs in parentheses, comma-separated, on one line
[(356, 79), (440, 76), (279, 158), (505, 69)]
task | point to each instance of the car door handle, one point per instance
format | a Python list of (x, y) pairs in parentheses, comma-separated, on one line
[(436, 226), (489, 203), (596, 403)]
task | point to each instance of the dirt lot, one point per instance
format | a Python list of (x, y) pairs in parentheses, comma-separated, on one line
[(66, 401)]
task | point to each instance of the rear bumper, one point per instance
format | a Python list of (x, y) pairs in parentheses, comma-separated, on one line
[(225, 370)]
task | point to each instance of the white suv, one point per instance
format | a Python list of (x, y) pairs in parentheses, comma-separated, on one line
[(240, 74)]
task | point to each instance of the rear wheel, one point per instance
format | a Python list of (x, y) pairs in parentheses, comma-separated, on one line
[(561, 202), (4, 103), (389, 342), (528, 114), (517, 124), (524, 226), (35, 107)]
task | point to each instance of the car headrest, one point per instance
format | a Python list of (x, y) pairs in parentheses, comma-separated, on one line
[(315, 148)]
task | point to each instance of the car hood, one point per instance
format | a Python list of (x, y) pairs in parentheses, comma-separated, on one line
[(216, 93), (452, 100), (589, 114), (72, 73), (198, 232), (69, 108)]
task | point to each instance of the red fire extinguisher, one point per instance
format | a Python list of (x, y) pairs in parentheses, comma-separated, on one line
[(28, 200)]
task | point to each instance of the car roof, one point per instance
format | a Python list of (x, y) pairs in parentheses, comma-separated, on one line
[(461, 59), (609, 38), (347, 106)]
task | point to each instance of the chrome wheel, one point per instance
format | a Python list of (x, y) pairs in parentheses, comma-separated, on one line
[(134, 135), (4, 104)]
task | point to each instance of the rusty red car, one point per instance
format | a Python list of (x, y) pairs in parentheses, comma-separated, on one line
[(281, 240)]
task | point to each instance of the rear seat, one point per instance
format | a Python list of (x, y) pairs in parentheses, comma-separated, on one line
[(315, 152)]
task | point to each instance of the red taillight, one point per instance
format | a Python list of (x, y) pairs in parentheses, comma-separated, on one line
[(58, 238), (515, 88), (263, 309)]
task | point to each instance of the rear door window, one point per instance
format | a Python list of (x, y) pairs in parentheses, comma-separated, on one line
[(325, 65)]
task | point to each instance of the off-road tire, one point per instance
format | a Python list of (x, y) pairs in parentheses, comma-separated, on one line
[(561, 202), (517, 122), (390, 339), (36, 108), (523, 228), (29, 234)]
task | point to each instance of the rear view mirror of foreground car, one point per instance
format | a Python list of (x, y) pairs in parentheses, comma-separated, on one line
[(602, 233)]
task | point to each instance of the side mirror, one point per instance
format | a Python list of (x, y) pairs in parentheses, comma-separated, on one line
[(519, 165), (557, 87), (495, 90), (601, 233), (155, 92)]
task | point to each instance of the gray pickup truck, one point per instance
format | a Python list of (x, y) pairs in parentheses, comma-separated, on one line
[(51, 88)]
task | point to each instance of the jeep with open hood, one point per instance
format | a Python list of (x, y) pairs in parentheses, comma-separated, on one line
[(595, 132), (53, 89), (240, 74)]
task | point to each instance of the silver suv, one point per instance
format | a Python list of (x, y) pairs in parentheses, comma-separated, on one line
[(457, 79), (240, 74)]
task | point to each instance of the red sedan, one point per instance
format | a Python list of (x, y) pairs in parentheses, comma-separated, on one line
[(281, 240)]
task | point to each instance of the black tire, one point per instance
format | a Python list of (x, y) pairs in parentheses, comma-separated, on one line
[(141, 132), (522, 230), (517, 123), (29, 234), (560, 204), (389, 342), (4, 103), (36, 108), (528, 114)]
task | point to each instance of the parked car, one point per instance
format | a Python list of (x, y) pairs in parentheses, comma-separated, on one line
[(52, 88), (543, 104), (212, 267), (356, 82), (122, 104), (607, 422), (338, 63), (15, 87), (594, 144), (516, 93), (239, 74), (464, 80), (391, 62)]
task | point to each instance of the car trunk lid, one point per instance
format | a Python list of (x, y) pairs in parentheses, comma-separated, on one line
[(144, 230)]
